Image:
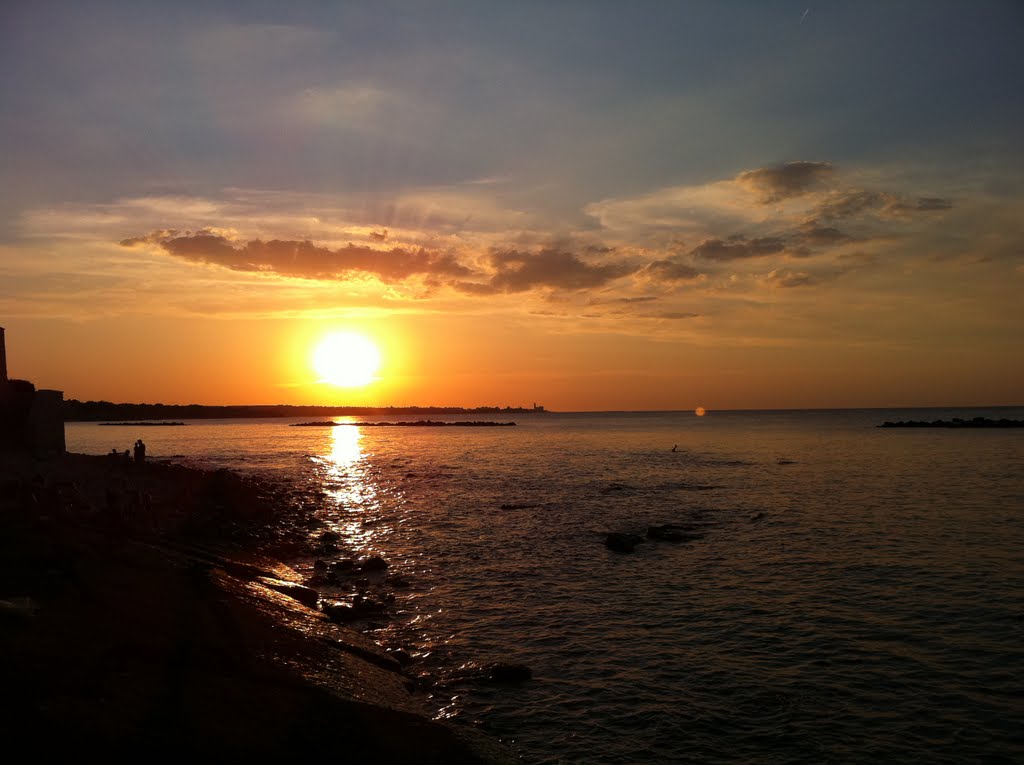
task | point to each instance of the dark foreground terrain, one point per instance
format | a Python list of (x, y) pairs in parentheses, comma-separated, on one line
[(141, 611)]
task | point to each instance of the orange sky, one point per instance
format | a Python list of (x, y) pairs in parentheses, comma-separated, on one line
[(740, 209)]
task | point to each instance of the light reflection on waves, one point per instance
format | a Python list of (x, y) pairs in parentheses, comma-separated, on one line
[(810, 635), (873, 613)]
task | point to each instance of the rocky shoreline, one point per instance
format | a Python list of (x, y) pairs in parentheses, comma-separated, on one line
[(147, 605)]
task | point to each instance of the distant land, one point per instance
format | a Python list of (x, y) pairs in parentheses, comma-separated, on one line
[(94, 411), (956, 422)]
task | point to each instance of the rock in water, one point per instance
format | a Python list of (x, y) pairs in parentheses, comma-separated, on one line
[(623, 543), (374, 563), (508, 673)]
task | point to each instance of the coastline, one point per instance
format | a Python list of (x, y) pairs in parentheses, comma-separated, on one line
[(147, 604)]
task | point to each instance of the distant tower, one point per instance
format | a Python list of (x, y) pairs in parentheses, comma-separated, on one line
[(3, 357)]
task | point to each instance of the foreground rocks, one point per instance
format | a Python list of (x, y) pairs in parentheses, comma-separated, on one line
[(124, 634)]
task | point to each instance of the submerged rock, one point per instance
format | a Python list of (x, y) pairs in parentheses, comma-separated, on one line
[(501, 672), (622, 543)]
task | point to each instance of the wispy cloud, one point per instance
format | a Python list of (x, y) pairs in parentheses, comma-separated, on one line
[(301, 259)]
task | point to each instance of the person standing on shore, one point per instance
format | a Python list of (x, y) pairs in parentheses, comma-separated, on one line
[(140, 452)]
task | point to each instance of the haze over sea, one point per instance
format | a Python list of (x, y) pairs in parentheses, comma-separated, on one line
[(856, 594)]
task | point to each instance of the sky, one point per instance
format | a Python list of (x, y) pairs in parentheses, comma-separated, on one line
[(587, 205)]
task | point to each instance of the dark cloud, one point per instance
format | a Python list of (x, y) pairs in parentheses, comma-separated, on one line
[(738, 248), (783, 181), (621, 301), (303, 259), (671, 270), (475, 288), (519, 271), (848, 204), (813, 235), (671, 315), (787, 278), (933, 203), (639, 299), (856, 259)]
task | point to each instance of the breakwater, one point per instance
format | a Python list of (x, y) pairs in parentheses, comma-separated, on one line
[(956, 422)]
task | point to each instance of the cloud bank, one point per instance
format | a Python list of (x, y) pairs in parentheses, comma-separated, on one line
[(302, 259)]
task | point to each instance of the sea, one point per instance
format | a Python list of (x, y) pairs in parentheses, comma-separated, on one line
[(842, 593)]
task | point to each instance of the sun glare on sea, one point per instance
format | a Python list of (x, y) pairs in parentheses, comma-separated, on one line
[(346, 359)]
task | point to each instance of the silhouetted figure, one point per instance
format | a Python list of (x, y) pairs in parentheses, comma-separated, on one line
[(674, 446), (140, 452)]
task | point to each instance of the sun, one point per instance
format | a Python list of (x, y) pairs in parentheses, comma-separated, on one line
[(346, 359)]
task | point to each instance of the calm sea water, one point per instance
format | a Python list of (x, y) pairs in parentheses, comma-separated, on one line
[(858, 593)]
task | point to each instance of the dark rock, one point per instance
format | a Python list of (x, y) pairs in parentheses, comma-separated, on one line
[(330, 537), (508, 673), (342, 567), (338, 612), (401, 656), (398, 582), (305, 595), (360, 608), (756, 517), (325, 548), (374, 563), (320, 568), (622, 543)]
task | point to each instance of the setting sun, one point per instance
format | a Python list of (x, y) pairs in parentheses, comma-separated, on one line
[(346, 359)]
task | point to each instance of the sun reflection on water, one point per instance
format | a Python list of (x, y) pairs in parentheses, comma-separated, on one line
[(346, 451), (347, 481)]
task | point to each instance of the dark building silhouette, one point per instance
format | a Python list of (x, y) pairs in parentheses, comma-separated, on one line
[(31, 421)]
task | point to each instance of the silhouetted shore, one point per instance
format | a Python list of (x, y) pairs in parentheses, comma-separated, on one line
[(87, 411), (144, 424), (416, 424), (145, 605)]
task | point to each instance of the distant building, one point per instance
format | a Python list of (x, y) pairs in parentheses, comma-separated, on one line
[(31, 421)]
